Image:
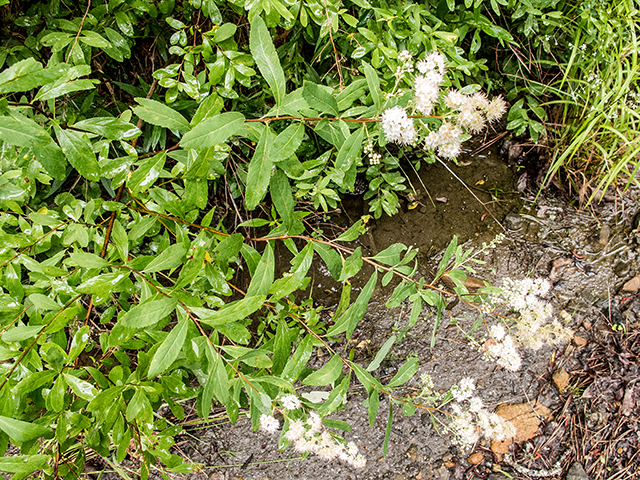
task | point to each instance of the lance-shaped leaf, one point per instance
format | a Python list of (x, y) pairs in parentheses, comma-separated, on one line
[(381, 354), (295, 278), (148, 313), (170, 348), (172, 257), (282, 197), (327, 374), (346, 160), (259, 170), (232, 312), (109, 127), (262, 279), (407, 371), (22, 76), (157, 113), (374, 85), (52, 159), (79, 152), (287, 142), (22, 131), (266, 58), (147, 173), (20, 432), (391, 256), (320, 99), (213, 130), (349, 319), (298, 360)]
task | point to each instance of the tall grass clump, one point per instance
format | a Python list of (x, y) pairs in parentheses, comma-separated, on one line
[(598, 95)]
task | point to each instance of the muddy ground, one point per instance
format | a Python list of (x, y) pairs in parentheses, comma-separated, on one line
[(588, 255)]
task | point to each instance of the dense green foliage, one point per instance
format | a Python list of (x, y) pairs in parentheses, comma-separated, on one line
[(130, 129)]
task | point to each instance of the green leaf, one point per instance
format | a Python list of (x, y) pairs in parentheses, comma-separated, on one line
[(231, 312), (52, 159), (80, 387), (157, 113), (22, 131), (33, 381), (348, 321), (351, 265), (370, 384), (20, 77), (447, 256), (382, 353), (102, 284), (355, 230), (148, 313), (287, 142), (338, 424), (331, 258), (42, 302), (94, 39), (327, 374), (20, 432), (391, 255), (347, 157), (374, 85), (319, 99), (169, 349), (259, 170), (336, 397), (23, 465), (298, 360), (266, 58), (110, 128), (407, 371), (20, 333), (262, 279), (172, 257), (224, 31), (79, 152), (145, 176), (55, 90), (282, 346), (294, 279), (213, 130), (282, 198), (86, 260), (387, 432)]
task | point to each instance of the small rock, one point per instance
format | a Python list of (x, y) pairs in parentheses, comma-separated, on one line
[(514, 221), (441, 473), (560, 379), (605, 233), (632, 286), (576, 472), (475, 458), (412, 453), (449, 464), (579, 341)]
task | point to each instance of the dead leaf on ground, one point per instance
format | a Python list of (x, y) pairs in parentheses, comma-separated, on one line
[(560, 379), (525, 417)]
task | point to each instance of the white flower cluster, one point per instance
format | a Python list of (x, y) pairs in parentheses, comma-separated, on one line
[(527, 297), (397, 126), (374, 157), (446, 140), (468, 112), (427, 85), (290, 402), (475, 110), (471, 420), (405, 60), (269, 424), (310, 436), (502, 348)]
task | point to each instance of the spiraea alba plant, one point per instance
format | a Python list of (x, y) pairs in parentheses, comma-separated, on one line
[(122, 291)]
